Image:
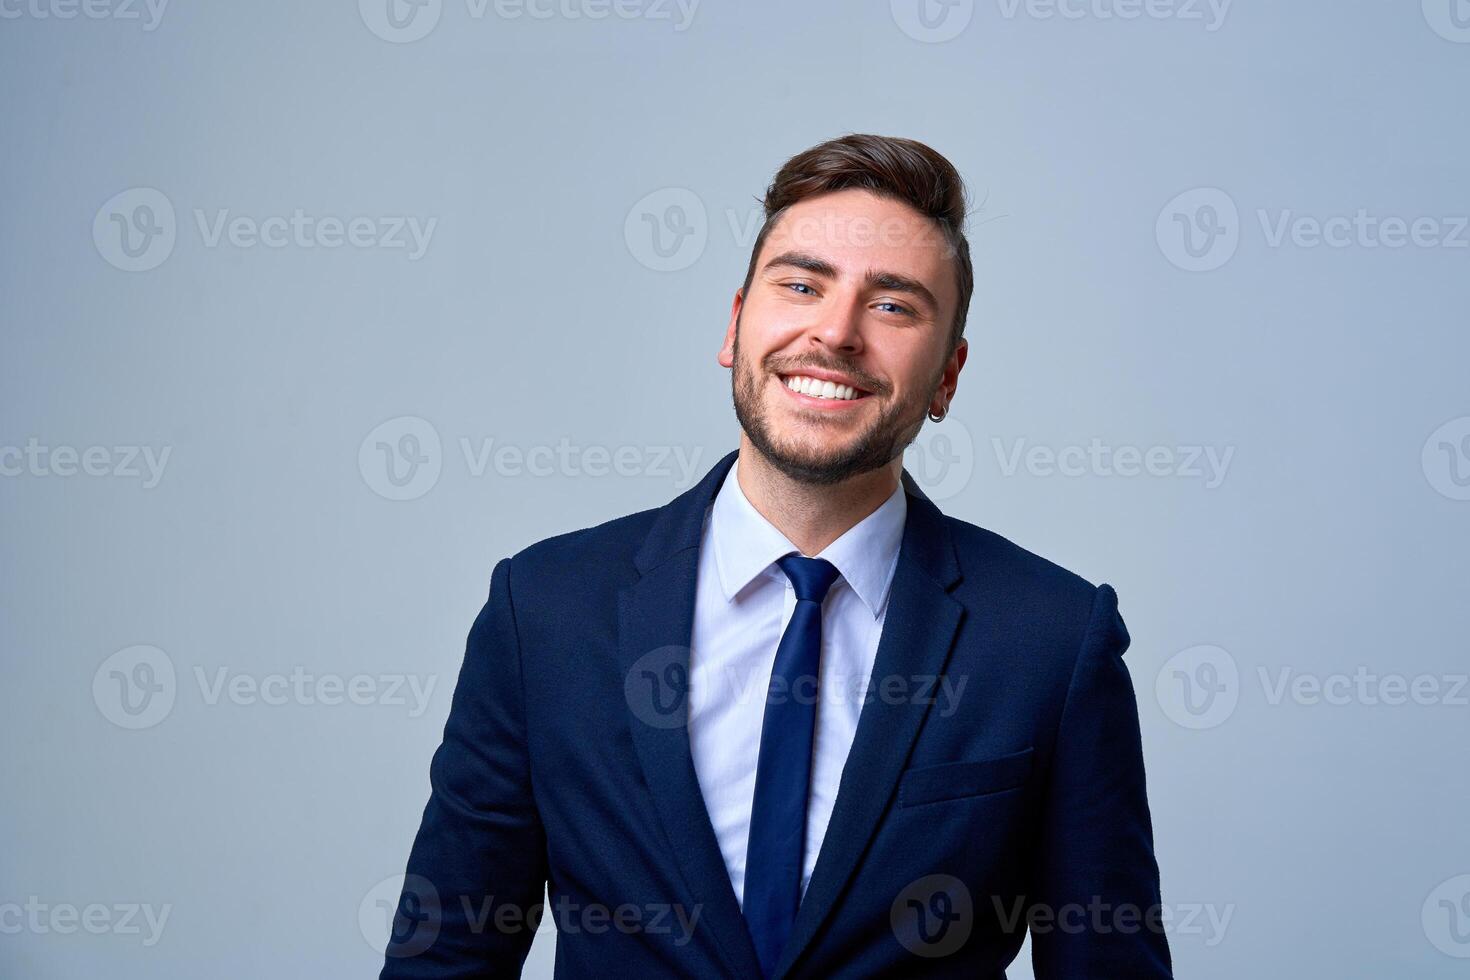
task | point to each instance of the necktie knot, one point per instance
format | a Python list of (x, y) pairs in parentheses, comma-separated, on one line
[(810, 577)]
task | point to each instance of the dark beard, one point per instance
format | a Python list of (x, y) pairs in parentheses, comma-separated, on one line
[(887, 436)]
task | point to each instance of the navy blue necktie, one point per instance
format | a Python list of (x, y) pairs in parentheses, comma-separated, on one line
[(773, 856)]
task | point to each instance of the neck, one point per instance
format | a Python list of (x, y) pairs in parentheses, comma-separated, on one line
[(812, 516)]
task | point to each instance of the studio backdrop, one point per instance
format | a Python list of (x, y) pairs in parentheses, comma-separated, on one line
[(312, 312)]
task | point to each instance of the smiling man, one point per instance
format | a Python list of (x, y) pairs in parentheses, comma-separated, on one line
[(798, 722)]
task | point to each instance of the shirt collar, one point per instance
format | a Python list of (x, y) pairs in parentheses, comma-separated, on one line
[(747, 545)]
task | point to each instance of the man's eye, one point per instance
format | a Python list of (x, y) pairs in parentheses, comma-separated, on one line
[(801, 285), (904, 310)]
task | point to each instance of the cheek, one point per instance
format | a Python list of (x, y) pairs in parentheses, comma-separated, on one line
[(911, 362), (768, 326)]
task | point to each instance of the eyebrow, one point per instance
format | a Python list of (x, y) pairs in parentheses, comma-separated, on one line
[(877, 279)]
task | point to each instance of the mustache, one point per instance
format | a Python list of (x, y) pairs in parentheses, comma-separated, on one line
[(862, 379)]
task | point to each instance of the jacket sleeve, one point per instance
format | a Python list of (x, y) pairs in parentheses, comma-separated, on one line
[(1096, 910), (474, 886)]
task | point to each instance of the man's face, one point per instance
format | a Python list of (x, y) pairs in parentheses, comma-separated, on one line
[(841, 344)]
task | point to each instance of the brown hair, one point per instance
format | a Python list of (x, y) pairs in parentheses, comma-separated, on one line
[(901, 169)]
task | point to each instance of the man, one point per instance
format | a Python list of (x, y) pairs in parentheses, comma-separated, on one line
[(798, 722)]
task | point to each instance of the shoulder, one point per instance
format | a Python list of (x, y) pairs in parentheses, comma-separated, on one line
[(601, 553), (1029, 593), (984, 553)]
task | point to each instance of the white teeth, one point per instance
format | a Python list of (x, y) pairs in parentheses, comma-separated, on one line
[(818, 388)]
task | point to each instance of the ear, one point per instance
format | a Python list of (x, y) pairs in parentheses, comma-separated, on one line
[(727, 352), (950, 379)]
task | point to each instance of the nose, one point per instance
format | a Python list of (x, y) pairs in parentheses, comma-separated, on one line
[(839, 326)]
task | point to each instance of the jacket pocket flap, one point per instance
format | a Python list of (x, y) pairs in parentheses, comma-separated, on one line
[(956, 780)]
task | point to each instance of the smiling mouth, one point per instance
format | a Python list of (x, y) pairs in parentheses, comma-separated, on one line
[(820, 388)]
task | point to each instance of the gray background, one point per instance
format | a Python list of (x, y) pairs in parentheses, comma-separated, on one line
[(1332, 835)]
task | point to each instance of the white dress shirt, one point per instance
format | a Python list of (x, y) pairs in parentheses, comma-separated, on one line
[(743, 602)]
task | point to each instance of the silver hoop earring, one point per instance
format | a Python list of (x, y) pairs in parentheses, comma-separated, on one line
[(939, 417)]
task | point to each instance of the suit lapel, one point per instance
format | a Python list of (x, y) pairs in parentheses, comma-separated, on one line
[(918, 632), (656, 622)]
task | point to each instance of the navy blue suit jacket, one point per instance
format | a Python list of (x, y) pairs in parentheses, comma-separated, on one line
[(565, 764)]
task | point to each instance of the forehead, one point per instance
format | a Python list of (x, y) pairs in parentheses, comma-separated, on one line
[(859, 231)]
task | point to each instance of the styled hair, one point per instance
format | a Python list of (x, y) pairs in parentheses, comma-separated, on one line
[(900, 169)]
